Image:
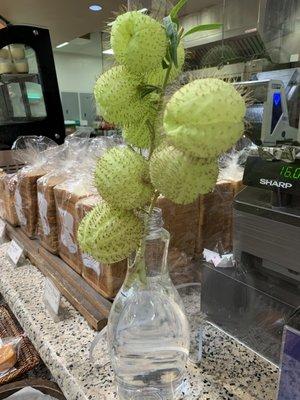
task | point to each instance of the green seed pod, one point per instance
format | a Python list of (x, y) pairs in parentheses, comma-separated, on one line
[(109, 235), (137, 135), (180, 177), (157, 77), (139, 42), (116, 92), (122, 178), (205, 117)]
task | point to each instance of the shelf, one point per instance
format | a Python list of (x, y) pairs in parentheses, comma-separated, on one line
[(90, 304), (16, 78)]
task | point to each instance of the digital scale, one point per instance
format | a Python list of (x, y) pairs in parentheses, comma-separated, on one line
[(267, 211)]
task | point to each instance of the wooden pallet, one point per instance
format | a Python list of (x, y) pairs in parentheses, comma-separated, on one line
[(90, 304)]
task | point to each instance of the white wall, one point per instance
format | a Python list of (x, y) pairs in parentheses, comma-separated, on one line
[(77, 72)]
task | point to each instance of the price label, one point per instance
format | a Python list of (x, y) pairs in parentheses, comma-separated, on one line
[(52, 296), (212, 256), (224, 261), (15, 253)]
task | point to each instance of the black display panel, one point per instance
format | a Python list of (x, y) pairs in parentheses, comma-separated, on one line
[(272, 175)]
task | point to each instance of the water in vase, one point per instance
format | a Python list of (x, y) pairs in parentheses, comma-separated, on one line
[(148, 330)]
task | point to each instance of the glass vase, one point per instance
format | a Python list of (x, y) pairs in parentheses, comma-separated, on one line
[(148, 333)]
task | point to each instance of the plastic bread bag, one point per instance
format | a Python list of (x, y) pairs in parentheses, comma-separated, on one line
[(182, 222), (2, 194), (77, 151), (7, 204), (78, 186), (39, 154), (10, 184), (216, 219), (67, 165), (216, 208), (9, 353), (230, 167)]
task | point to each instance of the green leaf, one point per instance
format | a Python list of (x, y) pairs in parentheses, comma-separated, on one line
[(176, 21), (175, 10), (144, 90), (199, 28), (172, 34)]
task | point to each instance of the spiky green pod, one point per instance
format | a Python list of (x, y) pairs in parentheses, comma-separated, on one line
[(122, 178), (157, 76), (205, 117), (139, 42), (180, 177), (109, 235), (137, 135), (140, 134), (116, 92)]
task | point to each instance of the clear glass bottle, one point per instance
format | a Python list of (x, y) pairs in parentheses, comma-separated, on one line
[(148, 333)]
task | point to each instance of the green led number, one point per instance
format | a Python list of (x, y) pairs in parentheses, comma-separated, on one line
[(290, 172), (296, 174)]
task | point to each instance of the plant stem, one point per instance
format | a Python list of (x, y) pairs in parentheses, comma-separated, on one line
[(150, 127), (165, 83), (166, 80), (139, 272), (152, 138), (152, 204)]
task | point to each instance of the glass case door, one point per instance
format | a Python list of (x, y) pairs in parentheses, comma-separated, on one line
[(21, 92)]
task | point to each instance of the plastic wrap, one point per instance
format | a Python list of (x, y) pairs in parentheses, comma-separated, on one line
[(39, 154), (206, 223), (29, 393), (230, 168), (79, 185), (67, 194), (215, 223), (48, 231), (104, 278), (2, 195), (10, 184), (183, 269), (216, 208), (9, 352), (182, 223), (68, 163)]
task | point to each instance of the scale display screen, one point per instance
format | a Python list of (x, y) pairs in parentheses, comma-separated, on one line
[(272, 175), (290, 172)]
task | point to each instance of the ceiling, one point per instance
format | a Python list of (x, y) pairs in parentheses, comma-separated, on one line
[(71, 19), (89, 47), (66, 19)]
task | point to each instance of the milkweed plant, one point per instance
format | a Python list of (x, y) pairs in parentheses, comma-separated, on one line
[(172, 142)]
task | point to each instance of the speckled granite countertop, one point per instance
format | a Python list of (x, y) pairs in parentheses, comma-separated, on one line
[(228, 370)]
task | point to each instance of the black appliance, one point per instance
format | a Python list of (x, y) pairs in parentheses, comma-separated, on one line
[(30, 102)]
